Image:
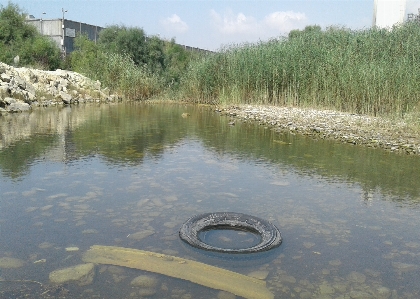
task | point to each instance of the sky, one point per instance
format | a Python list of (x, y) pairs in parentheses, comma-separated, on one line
[(211, 24)]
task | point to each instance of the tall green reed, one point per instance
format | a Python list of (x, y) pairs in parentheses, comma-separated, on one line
[(134, 82), (371, 71)]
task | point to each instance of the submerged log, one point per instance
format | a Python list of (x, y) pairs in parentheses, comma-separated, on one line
[(196, 272)]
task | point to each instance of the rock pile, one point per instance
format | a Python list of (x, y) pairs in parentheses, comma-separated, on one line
[(23, 88)]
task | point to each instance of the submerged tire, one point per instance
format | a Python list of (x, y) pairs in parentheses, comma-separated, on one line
[(269, 234)]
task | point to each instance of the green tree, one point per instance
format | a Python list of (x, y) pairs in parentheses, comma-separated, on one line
[(130, 41), (43, 53), (176, 62), (155, 56), (19, 38), (87, 58), (308, 29), (133, 41)]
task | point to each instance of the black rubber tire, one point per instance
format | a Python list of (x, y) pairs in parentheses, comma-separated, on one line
[(269, 233)]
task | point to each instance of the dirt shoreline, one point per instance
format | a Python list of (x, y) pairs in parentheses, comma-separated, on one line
[(375, 132)]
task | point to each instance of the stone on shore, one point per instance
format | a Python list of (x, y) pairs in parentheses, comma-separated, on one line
[(19, 107)]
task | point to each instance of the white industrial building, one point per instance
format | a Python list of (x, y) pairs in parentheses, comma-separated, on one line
[(388, 13), (63, 31)]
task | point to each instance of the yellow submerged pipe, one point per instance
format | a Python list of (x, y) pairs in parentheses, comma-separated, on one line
[(196, 272)]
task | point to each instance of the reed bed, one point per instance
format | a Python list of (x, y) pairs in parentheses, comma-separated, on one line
[(370, 71), (134, 82)]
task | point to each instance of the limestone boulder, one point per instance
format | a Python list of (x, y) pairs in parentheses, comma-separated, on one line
[(65, 97), (10, 262), (5, 78), (18, 107), (82, 274), (145, 281)]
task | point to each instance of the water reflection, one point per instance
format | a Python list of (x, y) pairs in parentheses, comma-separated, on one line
[(130, 175), (126, 134)]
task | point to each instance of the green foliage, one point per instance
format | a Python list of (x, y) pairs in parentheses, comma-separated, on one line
[(370, 71), (12, 25), (43, 53), (87, 58), (124, 59), (120, 39), (129, 62), (155, 57), (143, 50), (176, 63), (308, 30), (19, 38), (134, 82), (114, 70)]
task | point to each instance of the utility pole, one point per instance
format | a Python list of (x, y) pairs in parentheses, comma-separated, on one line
[(63, 48), (42, 30)]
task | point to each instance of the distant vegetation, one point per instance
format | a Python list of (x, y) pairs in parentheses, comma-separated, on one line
[(370, 71), (129, 61), (124, 59)]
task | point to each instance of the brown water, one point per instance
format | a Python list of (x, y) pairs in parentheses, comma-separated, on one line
[(97, 175)]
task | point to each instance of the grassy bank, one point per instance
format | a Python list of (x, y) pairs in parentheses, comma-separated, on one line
[(372, 71)]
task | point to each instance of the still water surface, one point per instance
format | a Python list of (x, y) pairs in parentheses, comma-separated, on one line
[(129, 175)]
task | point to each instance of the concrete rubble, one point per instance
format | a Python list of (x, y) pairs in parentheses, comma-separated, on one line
[(24, 88)]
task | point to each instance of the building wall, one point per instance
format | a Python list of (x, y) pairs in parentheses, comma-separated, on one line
[(387, 13), (53, 29), (72, 29)]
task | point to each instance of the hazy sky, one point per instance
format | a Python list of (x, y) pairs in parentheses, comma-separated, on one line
[(209, 24)]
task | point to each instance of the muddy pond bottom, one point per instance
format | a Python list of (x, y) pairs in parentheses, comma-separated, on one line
[(229, 238)]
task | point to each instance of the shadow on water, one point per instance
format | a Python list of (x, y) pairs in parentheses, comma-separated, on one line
[(235, 262), (125, 134)]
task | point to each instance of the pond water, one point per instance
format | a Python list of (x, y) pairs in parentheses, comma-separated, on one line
[(130, 175)]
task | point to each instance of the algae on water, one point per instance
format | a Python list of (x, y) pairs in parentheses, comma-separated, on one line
[(196, 272)]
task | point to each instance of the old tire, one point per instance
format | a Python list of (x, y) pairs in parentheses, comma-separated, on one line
[(270, 236)]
